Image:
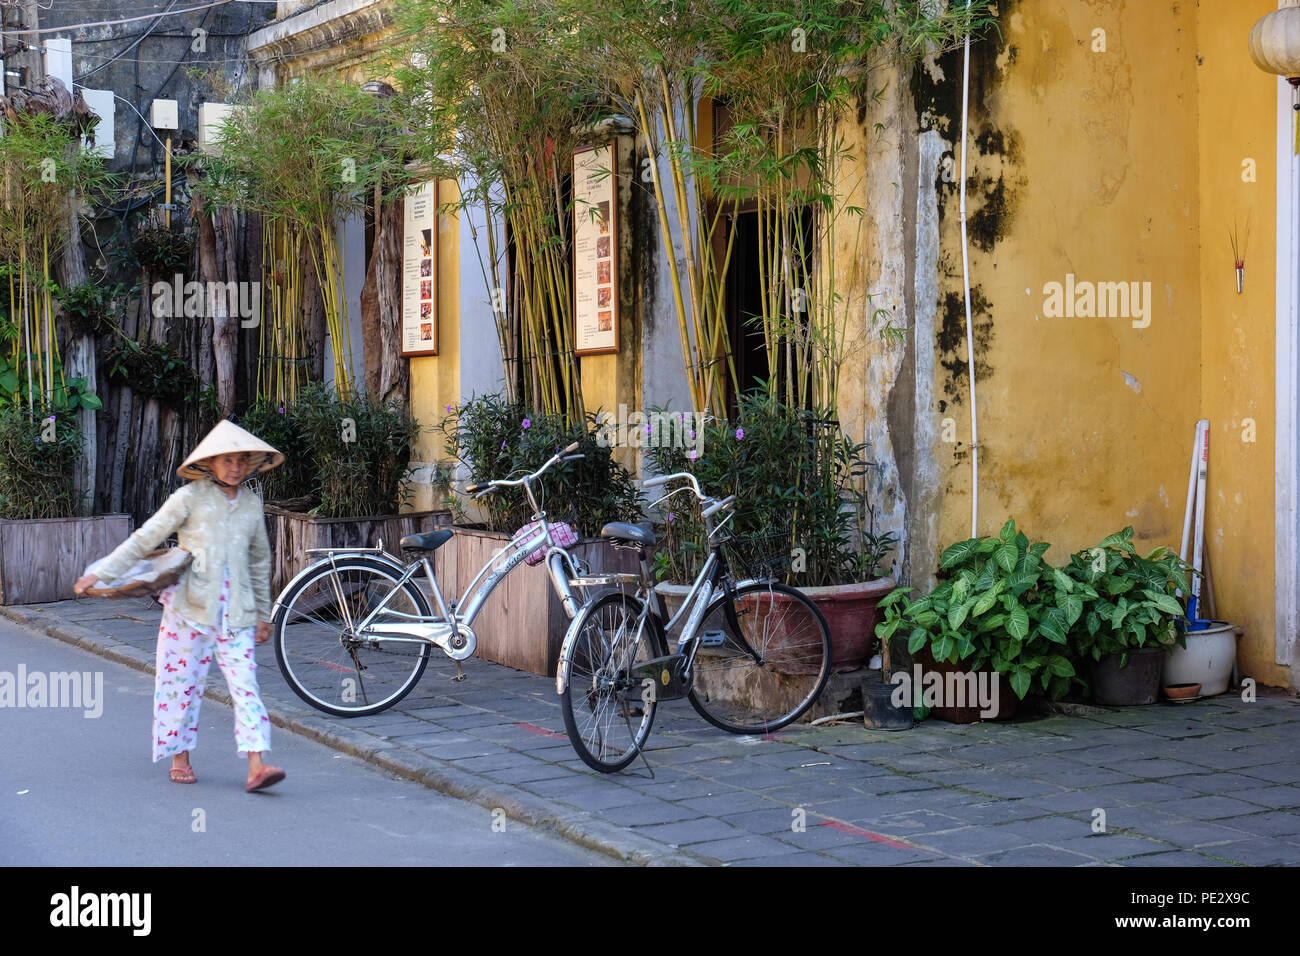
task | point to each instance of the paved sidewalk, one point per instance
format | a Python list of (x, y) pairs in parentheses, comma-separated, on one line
[(1211, 783)]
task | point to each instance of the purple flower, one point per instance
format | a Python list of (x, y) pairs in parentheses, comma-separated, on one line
[(449, 409), (647, 429), (281, 409), (692, 432), (672, 516), (50, 419), (527, 423), (692, 455), (740, 433), (503, 446)]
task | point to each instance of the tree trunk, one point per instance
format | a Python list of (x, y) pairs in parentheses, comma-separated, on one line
[(80, 363), (211, 265), (387, 373)]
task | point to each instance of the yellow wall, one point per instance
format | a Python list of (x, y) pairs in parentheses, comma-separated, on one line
[(1237, 112), (1122, 165)]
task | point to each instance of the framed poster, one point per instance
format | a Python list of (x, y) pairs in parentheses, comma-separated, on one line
[(595, 250), (420, 271)]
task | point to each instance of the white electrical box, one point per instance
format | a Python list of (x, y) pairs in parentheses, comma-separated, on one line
[(212, 116), (164, 114), (101, 102)]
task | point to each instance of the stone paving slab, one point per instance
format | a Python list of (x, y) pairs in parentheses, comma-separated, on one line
[(1211, 783)]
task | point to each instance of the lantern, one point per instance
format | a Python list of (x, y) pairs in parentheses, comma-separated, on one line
[(1275, 48)]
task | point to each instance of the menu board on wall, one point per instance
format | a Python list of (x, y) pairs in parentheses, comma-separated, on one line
[(419, 271), (595, 247)]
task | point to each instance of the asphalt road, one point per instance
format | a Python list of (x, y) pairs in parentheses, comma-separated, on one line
[(83, 791)]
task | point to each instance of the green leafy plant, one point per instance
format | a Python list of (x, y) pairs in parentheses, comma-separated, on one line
[(495, 438), (357, 447), (161, 250), (154, 371), (278, 425), (1000, 607), (37, 475), (1126, 601), (91, 307)]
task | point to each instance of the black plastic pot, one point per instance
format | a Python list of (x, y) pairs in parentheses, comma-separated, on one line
[(879, 712), (1136, 683)]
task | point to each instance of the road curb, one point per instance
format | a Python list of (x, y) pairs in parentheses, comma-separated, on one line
[(579, 827)]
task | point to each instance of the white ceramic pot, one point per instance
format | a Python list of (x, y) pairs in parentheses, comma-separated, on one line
[(1207, 660)]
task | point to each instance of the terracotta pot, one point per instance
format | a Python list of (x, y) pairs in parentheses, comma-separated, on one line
[(851, 612), (969, 714)]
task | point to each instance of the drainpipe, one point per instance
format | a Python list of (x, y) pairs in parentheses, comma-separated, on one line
[(970, 335)]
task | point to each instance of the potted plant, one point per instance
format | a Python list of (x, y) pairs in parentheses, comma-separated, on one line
[(44, 544), (1129, 613), (491, 437), (802, 515), (999, 609)]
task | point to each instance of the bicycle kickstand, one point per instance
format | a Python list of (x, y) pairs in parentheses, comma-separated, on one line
[(460, 674)]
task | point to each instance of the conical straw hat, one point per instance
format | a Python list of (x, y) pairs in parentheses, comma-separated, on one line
[(228, 439)]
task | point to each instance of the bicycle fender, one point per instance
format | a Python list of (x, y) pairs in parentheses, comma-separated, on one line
[(325, 562)]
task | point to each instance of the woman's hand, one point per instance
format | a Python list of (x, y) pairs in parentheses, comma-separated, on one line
[(263, 632), (89, 581)]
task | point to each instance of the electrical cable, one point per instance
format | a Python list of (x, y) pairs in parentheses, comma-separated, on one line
[(132, 45), (112, 23)]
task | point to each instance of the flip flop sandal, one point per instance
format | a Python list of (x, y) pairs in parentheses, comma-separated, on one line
[(268, 777), (183, 775)]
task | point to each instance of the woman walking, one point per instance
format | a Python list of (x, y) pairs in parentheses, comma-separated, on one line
[(220, 606)]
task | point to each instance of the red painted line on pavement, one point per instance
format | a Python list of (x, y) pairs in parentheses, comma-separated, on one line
[(336, 667), (540, 731), (858, 831)]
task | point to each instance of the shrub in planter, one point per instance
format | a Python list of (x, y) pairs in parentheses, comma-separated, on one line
[(802, 514), (36, 474), (494, 438), (161, 250), (359, 449), (998, 607), (798, 510), (277, 424), (1128, 607)]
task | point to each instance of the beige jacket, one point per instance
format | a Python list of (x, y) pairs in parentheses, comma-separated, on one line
[(219, 535)]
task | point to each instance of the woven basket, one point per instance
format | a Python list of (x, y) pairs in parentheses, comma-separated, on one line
[(166, 566)]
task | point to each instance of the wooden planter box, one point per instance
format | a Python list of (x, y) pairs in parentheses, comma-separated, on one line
[(41, 558), (291, 533), (522, 624)]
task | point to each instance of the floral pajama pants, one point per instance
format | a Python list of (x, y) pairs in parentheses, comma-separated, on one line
[(185, 652)]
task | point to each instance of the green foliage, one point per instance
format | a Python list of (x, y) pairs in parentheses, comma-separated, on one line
[(1125, 601), (163, 251), (800, 499), (278, 425), (153, 371), (1000, 605), (497, 439), (37, 476), (358, 448), (996, 608), (304, 152), (91, 307)]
